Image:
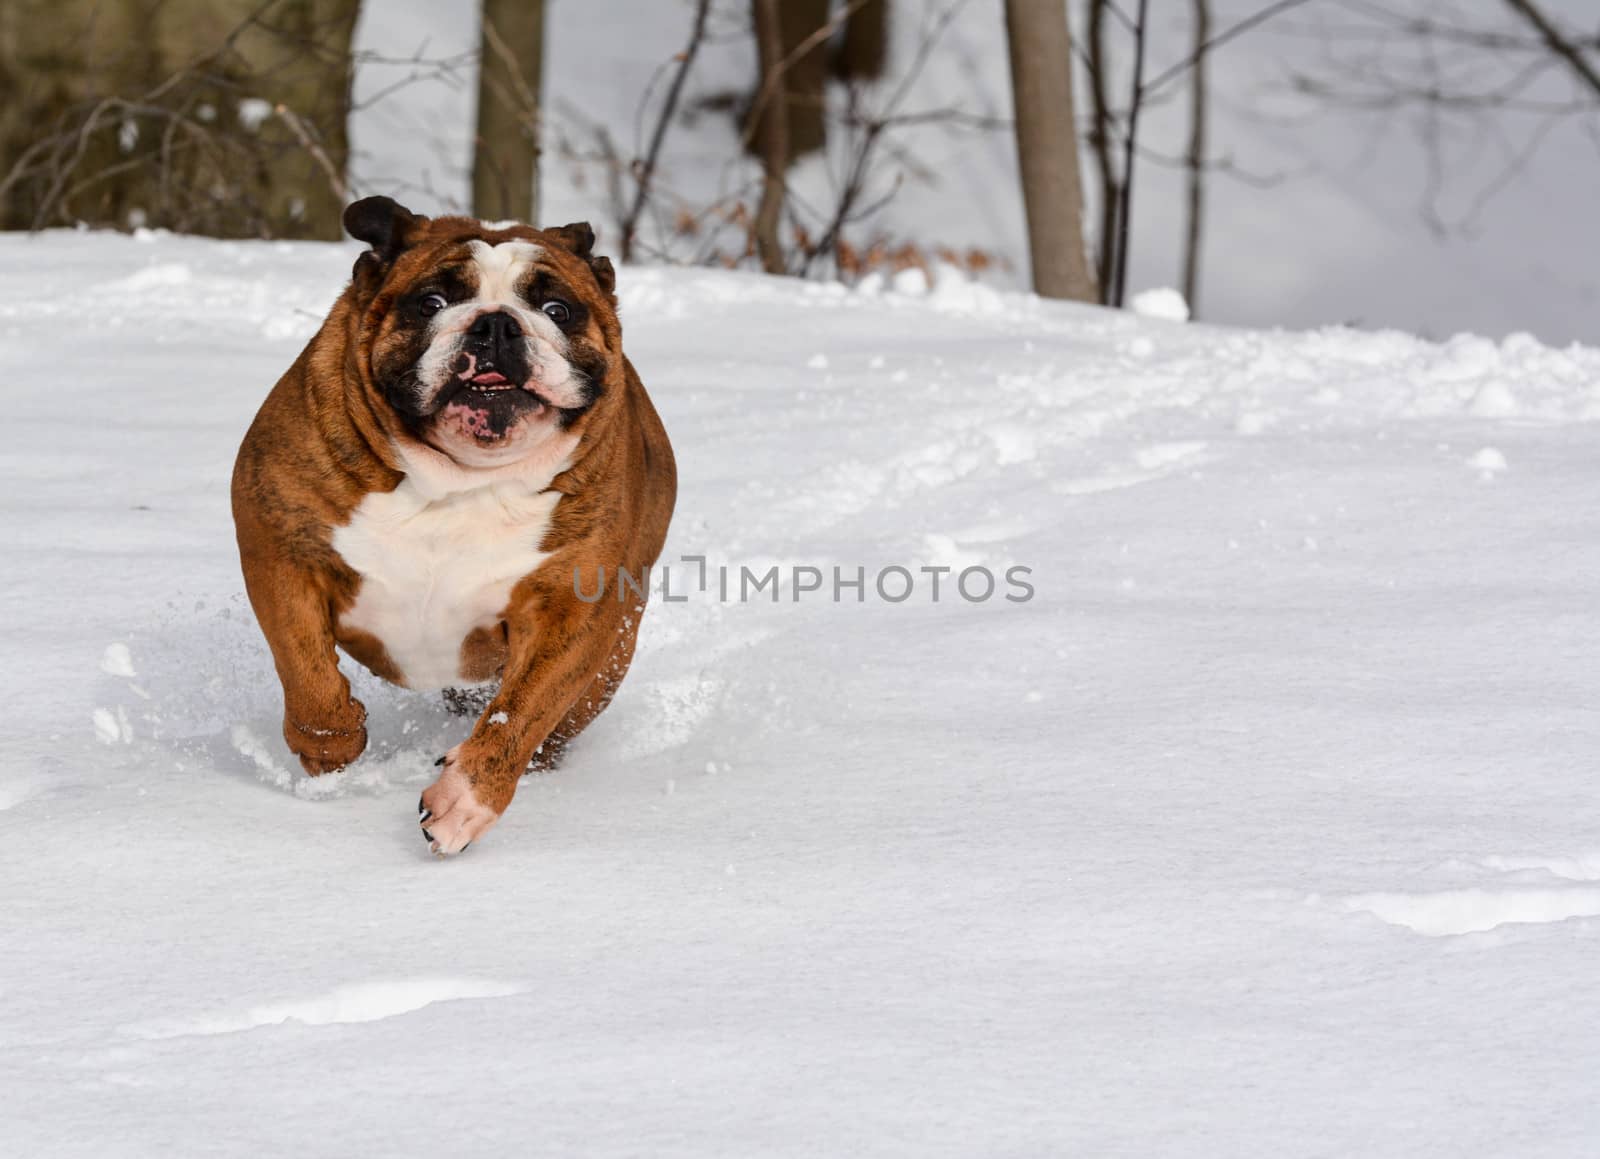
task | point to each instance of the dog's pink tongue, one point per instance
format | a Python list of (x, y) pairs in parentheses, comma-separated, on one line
[(489, 378)]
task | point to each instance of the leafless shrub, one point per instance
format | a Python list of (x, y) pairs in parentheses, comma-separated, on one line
[(245, 138), (1480, 87), (867, 161)]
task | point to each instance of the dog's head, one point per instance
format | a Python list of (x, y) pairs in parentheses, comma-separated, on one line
[(484, 339)]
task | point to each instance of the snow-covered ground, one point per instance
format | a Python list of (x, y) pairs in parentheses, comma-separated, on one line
[(1267, 827)]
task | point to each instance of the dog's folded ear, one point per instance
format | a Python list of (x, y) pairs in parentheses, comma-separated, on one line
[(387, 226), (579, 238), (383, 223)]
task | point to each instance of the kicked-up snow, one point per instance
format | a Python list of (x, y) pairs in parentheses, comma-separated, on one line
[(1253, 812)]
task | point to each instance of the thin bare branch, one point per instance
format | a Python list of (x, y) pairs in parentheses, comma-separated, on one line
[(1196, 176), (1558, 42), (1125, 201), (1233, 32), (647, 170)]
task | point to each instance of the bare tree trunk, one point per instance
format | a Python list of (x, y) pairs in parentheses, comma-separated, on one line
[(1195, 160), (805, 80), (300, 57), (1047, 147), (225, 117), (774, 140), (865, 50), (1100, 145), (798, 91), (505, 159), (54, 54), (1130, 156)]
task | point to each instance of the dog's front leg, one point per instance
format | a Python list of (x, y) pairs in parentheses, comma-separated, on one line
[(322, 723), (560, 646)]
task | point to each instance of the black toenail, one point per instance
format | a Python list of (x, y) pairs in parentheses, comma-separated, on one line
[(426, 817), (466, 847), (426, 836), (441, 760), (421, 808)]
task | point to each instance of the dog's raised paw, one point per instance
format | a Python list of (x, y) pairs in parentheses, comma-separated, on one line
[(450, 815)]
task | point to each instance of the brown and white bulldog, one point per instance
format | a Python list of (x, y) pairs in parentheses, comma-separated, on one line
[(462, 433)]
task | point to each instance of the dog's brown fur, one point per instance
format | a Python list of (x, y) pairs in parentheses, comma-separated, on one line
[(325, 438)]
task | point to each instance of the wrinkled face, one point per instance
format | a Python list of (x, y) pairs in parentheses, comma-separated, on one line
[(491, 345)]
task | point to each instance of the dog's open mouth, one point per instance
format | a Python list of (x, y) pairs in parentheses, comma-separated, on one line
[(488, 405)]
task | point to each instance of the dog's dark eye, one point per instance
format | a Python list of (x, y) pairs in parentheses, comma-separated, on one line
[(430, 304), (558, 312)]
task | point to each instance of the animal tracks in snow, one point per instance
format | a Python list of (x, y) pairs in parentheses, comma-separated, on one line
[(1163, 455), (1152, 462), (1469, 911), (1528, 890), (358, 1002), (1584, 867), (13, 793)]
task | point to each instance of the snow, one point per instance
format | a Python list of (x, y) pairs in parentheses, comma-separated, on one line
[(1489, 460), (117, 661), (1265, 828), (1164, 303), (253, 112)]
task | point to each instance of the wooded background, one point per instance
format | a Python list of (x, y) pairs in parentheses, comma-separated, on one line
[(230, 117)]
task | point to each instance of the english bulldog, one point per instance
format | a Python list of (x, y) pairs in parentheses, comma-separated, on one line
[(462, 436)]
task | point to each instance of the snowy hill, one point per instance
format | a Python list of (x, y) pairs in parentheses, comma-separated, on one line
[(1267, 826)]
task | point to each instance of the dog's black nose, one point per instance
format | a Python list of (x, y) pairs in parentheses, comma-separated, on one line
[(495, 328)]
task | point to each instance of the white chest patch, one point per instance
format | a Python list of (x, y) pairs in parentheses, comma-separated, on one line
[(432, 570)]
